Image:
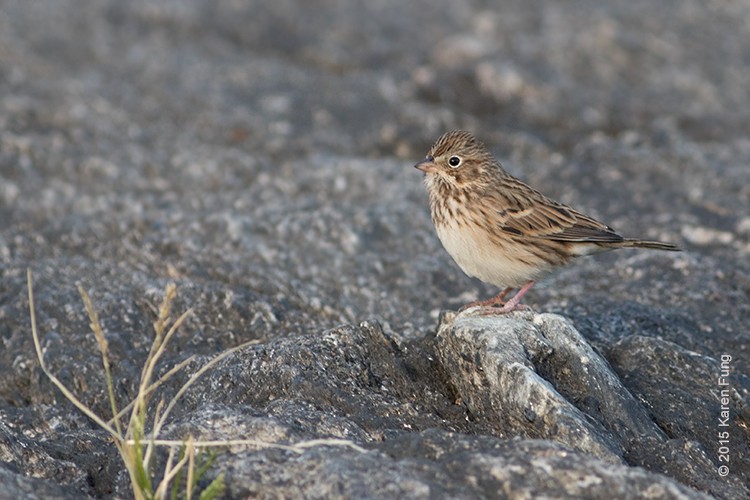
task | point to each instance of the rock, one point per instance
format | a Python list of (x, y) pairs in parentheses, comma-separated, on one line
[(436, 463), (498, 365), (16, 485), (529, 468), (248, 396), (535, 376), (694, 392)]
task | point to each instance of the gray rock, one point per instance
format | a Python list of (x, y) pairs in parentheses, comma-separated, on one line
[(323, 374), (498, 365), (439, 464), (536, 376), (693, 393), (15, 485)]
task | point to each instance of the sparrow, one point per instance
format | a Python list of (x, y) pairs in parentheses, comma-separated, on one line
[(502, 231)]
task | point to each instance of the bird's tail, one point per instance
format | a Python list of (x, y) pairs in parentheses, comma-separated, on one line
[(654, 245)]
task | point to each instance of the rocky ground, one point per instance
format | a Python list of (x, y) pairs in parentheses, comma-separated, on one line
[(258, 155)]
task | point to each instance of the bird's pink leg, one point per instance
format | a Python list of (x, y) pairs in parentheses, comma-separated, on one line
[(512, 305), (515, 302), (497, 299)]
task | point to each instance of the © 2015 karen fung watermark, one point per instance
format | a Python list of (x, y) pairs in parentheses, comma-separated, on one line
[(724, 415)]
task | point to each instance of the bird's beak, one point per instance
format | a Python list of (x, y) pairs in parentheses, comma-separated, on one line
[(427, 165)]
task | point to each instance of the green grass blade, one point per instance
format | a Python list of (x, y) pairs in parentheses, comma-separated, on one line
[(215, 489)]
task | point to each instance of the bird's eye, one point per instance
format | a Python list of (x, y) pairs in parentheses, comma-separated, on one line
[(454, 161)]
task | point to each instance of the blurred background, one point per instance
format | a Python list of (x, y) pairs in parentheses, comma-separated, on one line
[(259, 154), (265, 148)]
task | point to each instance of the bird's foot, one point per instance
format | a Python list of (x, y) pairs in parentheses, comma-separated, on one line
[(487, 307), (497, 300), (506, 308)]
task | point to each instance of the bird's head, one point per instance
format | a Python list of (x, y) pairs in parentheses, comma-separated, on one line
[(457, 159)]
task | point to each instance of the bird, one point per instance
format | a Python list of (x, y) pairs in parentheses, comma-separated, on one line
[(502, 231)]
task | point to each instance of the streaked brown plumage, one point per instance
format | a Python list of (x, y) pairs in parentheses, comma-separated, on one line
[(500, 230)]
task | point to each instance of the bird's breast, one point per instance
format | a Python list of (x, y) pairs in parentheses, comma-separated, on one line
[(495, 260)]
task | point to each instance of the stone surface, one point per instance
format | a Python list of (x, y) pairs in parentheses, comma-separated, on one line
[(258, 154), (535, 376)]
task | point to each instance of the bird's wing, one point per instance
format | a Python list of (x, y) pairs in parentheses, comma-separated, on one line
[(540, 217)]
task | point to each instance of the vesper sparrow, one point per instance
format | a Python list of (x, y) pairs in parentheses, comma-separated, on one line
[(500, 230)]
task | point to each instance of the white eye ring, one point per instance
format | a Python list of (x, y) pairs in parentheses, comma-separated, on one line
[(454, 161)]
